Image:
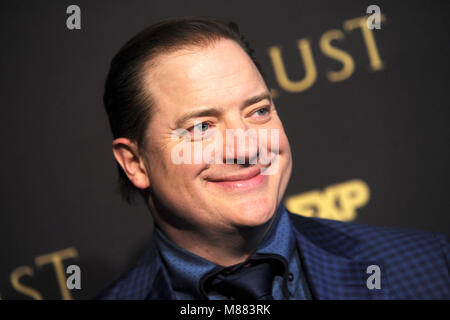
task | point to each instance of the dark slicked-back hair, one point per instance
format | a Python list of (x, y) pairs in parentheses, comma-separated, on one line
[(128, 105)]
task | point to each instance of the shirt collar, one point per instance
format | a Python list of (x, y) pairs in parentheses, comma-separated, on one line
[(185, 269)]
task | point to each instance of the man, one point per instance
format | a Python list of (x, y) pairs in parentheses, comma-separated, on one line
[(172, 95)]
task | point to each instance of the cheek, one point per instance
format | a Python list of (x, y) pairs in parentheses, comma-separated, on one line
[(278, 141), (277, 138), (178, 168), (285, 155), (175, 185), (284, 144)]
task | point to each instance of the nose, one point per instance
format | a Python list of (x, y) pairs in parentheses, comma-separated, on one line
[(240, 144)]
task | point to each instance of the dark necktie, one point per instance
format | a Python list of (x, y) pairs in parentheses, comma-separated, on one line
[(249, 280)]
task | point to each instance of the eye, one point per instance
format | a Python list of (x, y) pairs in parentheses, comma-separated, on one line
[(261, 112), (200, 127)]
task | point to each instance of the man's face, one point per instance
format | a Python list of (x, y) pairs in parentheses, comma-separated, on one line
[(212, 86)]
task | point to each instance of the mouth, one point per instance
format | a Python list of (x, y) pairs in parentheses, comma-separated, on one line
[(248, 178)]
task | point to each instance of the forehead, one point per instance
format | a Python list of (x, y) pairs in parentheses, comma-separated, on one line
[(221, 73)]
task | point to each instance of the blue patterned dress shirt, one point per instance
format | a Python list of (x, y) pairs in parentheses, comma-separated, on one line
[(185, 269)]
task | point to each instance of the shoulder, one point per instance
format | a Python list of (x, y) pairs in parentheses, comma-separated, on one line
[(374, 239), (411, 258), (366, 232), (135, 283)]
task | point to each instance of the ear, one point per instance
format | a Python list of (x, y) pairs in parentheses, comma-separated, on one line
[(127, 155)]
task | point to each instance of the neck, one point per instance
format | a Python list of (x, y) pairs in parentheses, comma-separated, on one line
[(223, 247)]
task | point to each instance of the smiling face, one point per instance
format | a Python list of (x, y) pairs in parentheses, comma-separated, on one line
[(216, 87)]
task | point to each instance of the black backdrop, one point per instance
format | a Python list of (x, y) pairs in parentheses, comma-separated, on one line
[(370, 146)]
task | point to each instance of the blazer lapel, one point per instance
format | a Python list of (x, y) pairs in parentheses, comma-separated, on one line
[(161, 288), (329, 258), (148, 280)]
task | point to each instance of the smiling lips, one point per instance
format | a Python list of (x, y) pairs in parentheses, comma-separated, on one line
[(243, 179)]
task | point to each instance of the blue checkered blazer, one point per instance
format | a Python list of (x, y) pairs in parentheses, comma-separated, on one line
[(335, 257)]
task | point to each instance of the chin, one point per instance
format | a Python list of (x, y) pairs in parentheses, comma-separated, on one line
[(254, 213)]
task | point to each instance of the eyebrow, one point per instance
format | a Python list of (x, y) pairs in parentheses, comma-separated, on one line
[(214, 112), (256, 99)]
